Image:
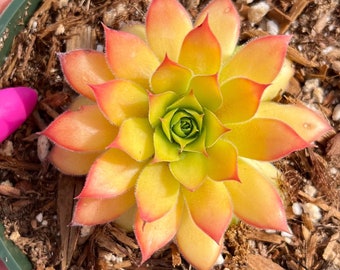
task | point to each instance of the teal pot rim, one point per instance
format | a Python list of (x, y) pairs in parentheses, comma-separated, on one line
[(10, 255), (12, 20)]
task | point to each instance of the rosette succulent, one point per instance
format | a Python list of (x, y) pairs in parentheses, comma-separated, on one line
[(176, 122)]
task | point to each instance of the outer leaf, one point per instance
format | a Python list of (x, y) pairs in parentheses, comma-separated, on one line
[(280, 83), (190, 170), (112, 174), (241, 98), (72, 163), (170, 76), (308, 124), (224, 22), (167, 23), (264, 139), (93, 211), (210, 207), (222, 161), (255, 199), (82, 130), (207, 91), (91, 68), (129, 57), (201, 51), (260, 60), (135, 138), (156, 191), (214, 128), (196, 246), (135, 28), (121, 99), (152, 236)]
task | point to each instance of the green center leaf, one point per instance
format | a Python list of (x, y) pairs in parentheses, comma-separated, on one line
[(182, 126)]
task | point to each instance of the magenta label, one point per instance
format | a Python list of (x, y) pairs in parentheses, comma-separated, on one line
[(3, 5)]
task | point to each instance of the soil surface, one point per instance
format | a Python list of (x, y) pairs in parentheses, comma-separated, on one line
[(36, 201)]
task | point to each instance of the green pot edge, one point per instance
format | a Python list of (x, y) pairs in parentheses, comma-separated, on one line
[(11, 255), (15, 18)]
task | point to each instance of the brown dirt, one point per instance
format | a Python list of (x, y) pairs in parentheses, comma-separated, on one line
[(31, 187)]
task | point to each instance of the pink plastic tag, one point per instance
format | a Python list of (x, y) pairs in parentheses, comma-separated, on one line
[(16, 104)]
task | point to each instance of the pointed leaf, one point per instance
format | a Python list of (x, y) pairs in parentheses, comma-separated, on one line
[(308, 124), (190, 170), (156, 191), (70, 162), (280, 83), (222, 161), (167, 23), (255, 199), (170, 76), (129, 57), (82, 130), (210, 207), (93, 211), (264, 139), (121, 99), (198, 248), (260, 60), (135, 138), (214, 128), (241, 98), (135, 28), (164, 149), (91, 68), (207, 91), (158, 105), (152, 236), (201, 51), (224, 22), (113, 173)]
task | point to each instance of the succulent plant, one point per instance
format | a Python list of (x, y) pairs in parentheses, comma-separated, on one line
[(175, 120)]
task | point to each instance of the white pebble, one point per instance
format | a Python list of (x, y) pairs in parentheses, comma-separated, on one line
[(297, 209), (272, 27), (288, 240), (39, 217), (43, 146), (318, 94), (100, 48), (85, 231), (336, 113), (286, 235), (44, 223), (310, 190), (257, 12), (220, 260), (310, 85), (333, 170), (270, 231), (313, 211)]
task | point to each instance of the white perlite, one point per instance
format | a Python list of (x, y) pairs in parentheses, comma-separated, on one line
[(313, 211), (297, 209), (336, 113), (257, 11)]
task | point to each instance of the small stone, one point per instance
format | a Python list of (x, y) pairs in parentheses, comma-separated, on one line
[(257, 11), (333, 171), (39, 217), (336, 113), (313, 211), (297, 209), (310, 190), (310, 85), (85, 231), (44, 223), (272, 27), (220, 260), (318, 95), (269, 231)]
